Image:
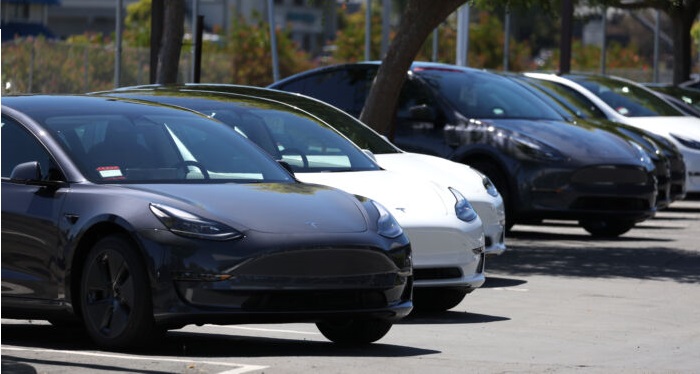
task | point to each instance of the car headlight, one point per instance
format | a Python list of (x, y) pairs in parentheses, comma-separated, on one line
[(186, 224), (526, 148), (690, 143), (642, 155), (387, 226), (489, 186), (463, 208)]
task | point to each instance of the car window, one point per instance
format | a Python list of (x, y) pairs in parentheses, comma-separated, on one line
[(628, 99), (19, 146), (572, 99), (346, 89), (305, 143), (159, 148), (487, 96), (414, 94)]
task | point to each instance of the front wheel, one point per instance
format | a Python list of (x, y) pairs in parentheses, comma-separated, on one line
[(354, 332), (115, 297), (607, 228)]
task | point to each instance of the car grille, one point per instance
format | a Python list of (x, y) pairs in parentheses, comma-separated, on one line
[(316, 300), (610, 175), (436, 273), (610, 204)]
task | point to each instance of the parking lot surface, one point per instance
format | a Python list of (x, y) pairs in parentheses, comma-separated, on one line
[(558, 301)]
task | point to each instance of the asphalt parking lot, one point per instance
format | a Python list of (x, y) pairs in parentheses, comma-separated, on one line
[(557, 302)]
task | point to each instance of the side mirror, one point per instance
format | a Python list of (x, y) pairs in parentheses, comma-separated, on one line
[(422, 113), (286, 165), (370, 154), (26, 173)]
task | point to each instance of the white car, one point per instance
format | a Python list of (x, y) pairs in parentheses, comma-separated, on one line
[(446, 233), (624, 101)]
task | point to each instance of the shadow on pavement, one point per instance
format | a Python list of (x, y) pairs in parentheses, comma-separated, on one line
[(193, 344), (449, 317), (592, 259)]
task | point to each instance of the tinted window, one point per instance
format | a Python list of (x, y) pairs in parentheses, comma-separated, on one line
[(486, 96), (569, 97), (19, 146), (160, 148), (346, 89), (627, 99), (307, 144)]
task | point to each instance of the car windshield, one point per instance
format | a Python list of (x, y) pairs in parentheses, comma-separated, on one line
[(484, 95), (305, 143), (160, 148), (627, 99), (570, 98), (349, 126)]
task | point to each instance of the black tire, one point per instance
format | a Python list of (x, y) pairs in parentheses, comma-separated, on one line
[(499, 180), (435, 300), (354, 332), (607, 228), (115, 297)]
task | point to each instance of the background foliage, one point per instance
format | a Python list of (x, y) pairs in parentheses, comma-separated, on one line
[(85, 63)]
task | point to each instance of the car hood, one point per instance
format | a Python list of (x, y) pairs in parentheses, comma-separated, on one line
[(460, 176), (663, 125), (285, 208), (577, 141), (404, 195)]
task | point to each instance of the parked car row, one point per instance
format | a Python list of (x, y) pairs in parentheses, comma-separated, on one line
[(143, 209), (551, 154)]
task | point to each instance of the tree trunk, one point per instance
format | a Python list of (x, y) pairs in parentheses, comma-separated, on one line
[(419, 19), (173, 31), (682, 17), (682, 14)]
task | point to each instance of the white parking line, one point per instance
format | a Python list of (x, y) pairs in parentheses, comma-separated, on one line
[(510, 289), (266, 330), (239, 368)]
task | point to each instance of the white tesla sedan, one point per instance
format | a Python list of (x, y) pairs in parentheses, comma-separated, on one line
[(621, 100), (446, 233)]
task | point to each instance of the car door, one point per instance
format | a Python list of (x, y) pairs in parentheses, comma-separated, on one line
[(31, 264), (420, 121)]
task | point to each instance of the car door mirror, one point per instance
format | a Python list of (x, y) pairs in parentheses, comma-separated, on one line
[(370, 154), (286, 166), (26, 173), (423, 113)]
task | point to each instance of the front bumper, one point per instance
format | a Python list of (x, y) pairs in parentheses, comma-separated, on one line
[(618, 192), (447, 252), (271, 278)]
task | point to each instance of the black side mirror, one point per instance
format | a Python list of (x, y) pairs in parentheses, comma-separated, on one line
[(422, 113), (286, 165), (26, 173)]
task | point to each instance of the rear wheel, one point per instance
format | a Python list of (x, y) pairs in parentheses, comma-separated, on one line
[(355, 331), (607, 228), (435, 300), (115, 295)]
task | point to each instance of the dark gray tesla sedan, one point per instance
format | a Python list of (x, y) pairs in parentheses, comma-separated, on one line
[(136, 218)]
